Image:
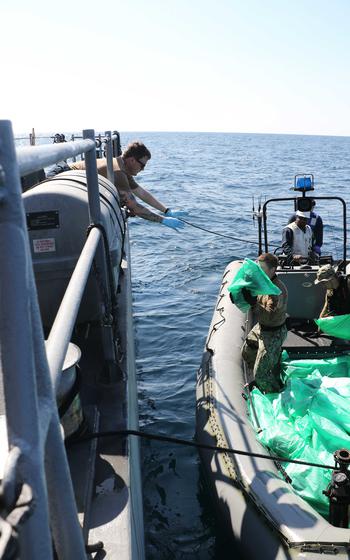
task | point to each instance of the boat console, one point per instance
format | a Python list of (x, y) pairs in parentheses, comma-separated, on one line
[(303, 184), (305, 298)]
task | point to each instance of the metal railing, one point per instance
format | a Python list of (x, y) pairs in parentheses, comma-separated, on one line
[(30, 372), (101, 141)]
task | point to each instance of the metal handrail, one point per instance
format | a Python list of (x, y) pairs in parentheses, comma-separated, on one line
[(33, 158), (32, 137), (28, 377), (61, 330)]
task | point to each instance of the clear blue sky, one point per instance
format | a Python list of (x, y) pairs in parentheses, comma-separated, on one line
[(184, 65)]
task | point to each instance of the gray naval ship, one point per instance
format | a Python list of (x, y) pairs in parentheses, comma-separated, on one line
[(70, 478)]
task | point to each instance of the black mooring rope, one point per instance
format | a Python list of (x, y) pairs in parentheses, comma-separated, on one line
[(217, 233), (179, 441)]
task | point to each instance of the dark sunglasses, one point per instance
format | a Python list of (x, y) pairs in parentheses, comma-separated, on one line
[(143, 165)]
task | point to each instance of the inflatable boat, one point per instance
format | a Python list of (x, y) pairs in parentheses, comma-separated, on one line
[(259, 500)]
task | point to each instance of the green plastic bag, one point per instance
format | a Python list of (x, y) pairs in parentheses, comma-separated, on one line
[(277, 435), (252, 277), (338, 326), (308, 420), (338, 366)]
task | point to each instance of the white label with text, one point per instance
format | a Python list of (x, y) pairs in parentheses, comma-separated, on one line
[(47, 245)]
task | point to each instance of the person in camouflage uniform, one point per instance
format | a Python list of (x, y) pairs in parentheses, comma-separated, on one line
[(262, 347), (337, 300)]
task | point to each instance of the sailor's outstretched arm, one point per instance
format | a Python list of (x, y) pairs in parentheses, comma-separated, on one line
[(141, 211), (147, 197), (138, 209)]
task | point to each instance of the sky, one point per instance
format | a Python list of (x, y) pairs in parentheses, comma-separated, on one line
[(265, 66)]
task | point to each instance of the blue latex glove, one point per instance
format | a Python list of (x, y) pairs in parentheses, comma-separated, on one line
[(173, 223), (175, 213), (316, 249)]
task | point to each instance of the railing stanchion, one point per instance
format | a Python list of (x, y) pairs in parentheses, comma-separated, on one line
[(17, 360), (109, 156), (101, 265)]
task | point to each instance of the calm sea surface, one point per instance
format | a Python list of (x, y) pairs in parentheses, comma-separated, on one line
[(176, 277)]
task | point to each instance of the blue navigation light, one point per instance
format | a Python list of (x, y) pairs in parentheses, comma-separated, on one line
[(304, 183)]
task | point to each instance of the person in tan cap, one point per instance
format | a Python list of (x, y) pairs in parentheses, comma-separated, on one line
[(337, 301)]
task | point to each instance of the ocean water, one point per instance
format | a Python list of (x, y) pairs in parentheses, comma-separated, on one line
[(176, 277)]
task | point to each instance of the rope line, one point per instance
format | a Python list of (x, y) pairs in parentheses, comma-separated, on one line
[(189, 443), (221, 234), (216, 232)]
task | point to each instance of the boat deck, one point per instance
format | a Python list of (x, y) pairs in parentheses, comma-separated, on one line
[(305, 335), (102, 469)]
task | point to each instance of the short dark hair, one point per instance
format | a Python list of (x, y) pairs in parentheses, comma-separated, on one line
[(137, 150), (269, 259)]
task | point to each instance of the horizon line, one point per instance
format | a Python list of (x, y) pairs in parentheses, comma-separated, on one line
[(97, 131)]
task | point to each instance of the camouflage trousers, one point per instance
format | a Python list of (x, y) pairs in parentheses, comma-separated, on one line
[(261, 351)]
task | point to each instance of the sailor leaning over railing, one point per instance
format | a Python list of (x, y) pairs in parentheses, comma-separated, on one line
[(125, 167)]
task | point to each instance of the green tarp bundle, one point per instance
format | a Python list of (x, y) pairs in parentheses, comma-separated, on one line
[(308, 420), (338, 326), (252, 277)]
